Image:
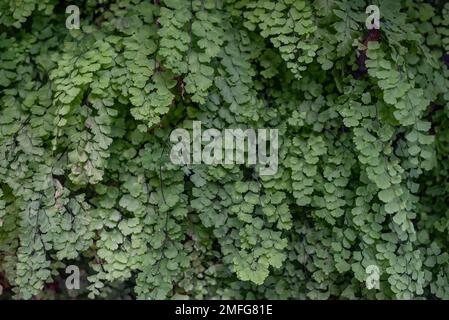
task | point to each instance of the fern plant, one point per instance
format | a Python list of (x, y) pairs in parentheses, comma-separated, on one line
[(86, 178)]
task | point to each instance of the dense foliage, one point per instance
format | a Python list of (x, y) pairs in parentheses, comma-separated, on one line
[(85, 175)]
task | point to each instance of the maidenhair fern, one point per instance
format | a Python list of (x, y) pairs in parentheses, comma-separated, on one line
[(85, 171)]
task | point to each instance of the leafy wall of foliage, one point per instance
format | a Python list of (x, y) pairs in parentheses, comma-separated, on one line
[(85, 177)]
